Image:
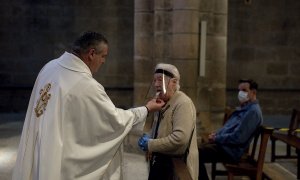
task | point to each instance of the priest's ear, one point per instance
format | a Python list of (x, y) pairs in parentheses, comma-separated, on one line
[(90, 54)]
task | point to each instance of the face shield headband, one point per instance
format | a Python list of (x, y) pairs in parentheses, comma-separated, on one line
[(167, 73)]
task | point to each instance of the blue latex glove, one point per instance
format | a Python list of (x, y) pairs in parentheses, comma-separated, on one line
[(143, 142)]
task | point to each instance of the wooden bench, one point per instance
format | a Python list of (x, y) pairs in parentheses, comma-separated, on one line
[(274, 171), (290, 138)]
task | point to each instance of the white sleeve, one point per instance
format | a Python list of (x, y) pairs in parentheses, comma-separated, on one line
[(141, 115)]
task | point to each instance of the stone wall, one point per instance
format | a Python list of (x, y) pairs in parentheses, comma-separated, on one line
[(211, 87), (169, 31), (264, 44), (32, 32)]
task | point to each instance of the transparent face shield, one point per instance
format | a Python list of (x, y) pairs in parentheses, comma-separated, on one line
[(158, 87)]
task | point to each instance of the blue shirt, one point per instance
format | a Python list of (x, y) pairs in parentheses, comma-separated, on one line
[(235, 136)]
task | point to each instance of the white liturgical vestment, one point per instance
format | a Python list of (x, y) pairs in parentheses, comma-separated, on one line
[(72, 130)]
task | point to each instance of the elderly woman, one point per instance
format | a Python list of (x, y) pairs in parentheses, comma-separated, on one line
[(174, 127)]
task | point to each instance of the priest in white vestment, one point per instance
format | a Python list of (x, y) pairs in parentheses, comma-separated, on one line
[(72, 130)]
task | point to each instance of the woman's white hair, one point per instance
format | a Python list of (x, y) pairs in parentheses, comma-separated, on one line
[(171, 69)]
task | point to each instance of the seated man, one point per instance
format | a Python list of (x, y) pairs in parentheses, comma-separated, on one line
[(229, 143)]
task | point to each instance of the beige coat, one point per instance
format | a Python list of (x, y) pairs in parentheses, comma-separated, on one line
[(176, 126), (72, 129)]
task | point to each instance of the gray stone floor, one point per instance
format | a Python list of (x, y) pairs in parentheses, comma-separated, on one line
[(11, 125), (10, 130), (135, 167)]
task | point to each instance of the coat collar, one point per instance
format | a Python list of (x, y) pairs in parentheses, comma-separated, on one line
[(174, 97), (247, 105), (74, 63)]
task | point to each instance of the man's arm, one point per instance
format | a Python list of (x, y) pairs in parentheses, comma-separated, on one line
[(142, 112)]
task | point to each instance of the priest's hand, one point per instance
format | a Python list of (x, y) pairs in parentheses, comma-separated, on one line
[(155, 105), (143, 142)]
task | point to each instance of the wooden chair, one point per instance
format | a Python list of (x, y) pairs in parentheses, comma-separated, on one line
[(252, 166), (288, 136)]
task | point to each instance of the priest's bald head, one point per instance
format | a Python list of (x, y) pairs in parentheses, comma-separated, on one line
[(166, 80), (92, 49)]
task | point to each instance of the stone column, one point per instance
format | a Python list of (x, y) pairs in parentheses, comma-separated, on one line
[(143, 49), (185, 45), (211, 88), (162, 30), (168, 31)]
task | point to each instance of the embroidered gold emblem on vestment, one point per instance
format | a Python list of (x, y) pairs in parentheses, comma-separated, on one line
[(43, 100)]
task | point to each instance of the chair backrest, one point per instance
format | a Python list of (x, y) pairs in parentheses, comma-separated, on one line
[(295, 122), (264, 134), (252, 150)]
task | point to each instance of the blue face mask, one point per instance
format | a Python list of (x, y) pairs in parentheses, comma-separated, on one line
[(243, 96)]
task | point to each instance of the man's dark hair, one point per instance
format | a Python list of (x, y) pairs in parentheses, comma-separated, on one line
[(253, 84), (88, 40)]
